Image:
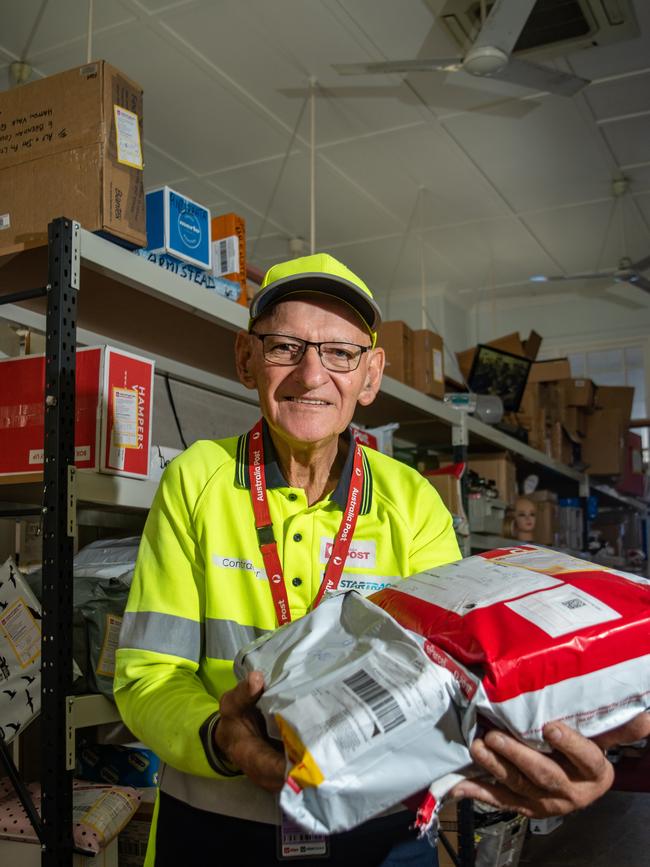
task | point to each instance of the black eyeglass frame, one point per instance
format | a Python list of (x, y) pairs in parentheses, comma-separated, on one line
[(318, 346)]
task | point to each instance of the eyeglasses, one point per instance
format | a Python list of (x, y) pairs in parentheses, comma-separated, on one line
[(288, 351)]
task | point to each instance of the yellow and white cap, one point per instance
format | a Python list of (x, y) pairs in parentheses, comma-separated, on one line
[(321, 273)]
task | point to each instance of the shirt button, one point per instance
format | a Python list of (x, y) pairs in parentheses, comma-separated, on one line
[(297, 537), (292, 496), (297, 582)]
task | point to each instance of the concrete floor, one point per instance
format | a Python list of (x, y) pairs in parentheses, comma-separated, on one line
[(613, 832)]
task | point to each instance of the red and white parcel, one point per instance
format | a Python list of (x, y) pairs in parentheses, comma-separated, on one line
[(113, 406), (550, 636)]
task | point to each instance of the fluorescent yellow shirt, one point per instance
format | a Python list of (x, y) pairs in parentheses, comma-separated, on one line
[(200, 591)]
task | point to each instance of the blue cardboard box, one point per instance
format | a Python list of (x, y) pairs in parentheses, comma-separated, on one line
[(178, 227), (117, 765)]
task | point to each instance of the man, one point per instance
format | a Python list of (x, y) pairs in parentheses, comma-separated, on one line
[(247, 533)]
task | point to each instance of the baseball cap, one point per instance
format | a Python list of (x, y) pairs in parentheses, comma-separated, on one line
[(322, 273)]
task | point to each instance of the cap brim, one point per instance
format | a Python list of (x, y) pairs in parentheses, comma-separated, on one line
[(335, 287)]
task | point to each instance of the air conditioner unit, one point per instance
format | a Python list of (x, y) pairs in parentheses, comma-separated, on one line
[(554, 28)]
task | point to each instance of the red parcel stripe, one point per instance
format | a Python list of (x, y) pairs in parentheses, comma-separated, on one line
[(516, 656)]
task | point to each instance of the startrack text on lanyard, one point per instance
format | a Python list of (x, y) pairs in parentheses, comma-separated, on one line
[(264, 526)]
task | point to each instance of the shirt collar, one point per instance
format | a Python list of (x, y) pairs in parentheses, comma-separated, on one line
[(275, 479)]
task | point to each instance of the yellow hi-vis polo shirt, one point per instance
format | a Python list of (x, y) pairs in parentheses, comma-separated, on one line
[(200, 591)]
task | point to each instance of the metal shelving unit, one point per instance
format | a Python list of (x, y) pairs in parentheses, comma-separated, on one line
[(189, 331)]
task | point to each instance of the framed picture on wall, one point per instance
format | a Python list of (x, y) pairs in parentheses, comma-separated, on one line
[(500, 373)]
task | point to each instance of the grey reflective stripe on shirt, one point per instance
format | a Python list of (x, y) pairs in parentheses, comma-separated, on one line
[(223, 638), (161, 633)]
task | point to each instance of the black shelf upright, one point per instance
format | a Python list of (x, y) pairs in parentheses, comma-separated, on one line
[(59, 518)]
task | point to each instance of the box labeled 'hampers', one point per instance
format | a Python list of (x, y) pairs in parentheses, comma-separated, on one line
[(113, 398)]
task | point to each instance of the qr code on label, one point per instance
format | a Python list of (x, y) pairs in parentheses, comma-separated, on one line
[(574, 603)]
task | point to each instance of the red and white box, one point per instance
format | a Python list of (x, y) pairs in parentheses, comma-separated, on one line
[(113, 408)]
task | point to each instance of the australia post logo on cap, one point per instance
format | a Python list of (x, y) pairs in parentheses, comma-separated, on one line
[(362, 553)]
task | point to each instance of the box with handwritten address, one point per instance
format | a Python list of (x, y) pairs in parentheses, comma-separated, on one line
[(71, 145)]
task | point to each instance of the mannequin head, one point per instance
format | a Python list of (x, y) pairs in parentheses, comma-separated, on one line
[(524, 521)]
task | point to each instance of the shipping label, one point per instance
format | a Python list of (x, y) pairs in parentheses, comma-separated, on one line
[(106, 662), (562, 610), (129, 149), (22, 632)]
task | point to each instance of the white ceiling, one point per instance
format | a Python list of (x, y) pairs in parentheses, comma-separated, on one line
[(474, 184)]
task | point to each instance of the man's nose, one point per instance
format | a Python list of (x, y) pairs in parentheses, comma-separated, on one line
[(310, 369)]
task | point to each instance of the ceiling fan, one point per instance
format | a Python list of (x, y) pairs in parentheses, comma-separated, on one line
[(626, 271), (489, 57)]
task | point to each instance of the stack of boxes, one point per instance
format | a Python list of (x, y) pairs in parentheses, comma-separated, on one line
[(414, 357)]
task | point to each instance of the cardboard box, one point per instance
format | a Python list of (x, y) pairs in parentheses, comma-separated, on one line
[(447, 481), (178, 227), (549, 370), (546, 523), (532, 345), (70, 145), (604, 447), (113, 403), (501, 469), (228, 234), (132, 840), (396, 339), (577, 392), (428, 363), (620, 397), (633, 478)]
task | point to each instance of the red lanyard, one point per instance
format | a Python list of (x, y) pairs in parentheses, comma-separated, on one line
[(264, 526)]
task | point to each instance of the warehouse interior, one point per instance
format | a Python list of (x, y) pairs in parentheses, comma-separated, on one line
[(479, 210)]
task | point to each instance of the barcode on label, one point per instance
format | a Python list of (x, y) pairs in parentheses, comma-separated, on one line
[(378, 699), (225, 256), (574, 603)]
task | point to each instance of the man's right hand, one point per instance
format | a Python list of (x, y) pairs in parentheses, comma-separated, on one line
[(240, 735)]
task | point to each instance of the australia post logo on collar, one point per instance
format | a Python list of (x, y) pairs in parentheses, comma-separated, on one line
[(362, 553)]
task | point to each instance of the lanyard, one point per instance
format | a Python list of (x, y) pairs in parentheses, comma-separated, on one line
[(264, 526)]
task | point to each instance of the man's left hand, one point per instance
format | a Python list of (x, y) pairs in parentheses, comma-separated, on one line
[(534, 783)]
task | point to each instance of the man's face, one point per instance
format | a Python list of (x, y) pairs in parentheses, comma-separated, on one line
[(308, 403)]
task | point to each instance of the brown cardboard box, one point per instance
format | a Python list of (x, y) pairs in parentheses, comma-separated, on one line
[(574, 420), (561, 443), (546, 523), (620, 397), (577, 392), (70, 145), (448, 486), (532, 345), (396, 338), (501, 469), (551, 369), (132, 840), (428, 363), (604, 447)]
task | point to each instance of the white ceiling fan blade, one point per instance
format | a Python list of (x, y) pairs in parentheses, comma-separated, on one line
[(504, 24), (598, 275), (386, 67), (641, 265), (618, 300), (537, 77)]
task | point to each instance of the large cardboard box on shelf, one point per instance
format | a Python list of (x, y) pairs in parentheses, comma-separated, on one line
[(619, 397), (549, 370), (603, 450), (499, 467), (546, 523), (577, 392), (428, 363), (70, 145), (113, 412), (228, 234), (396, 339)]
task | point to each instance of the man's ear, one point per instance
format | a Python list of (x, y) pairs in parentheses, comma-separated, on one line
[(244, 358), (374, 372)]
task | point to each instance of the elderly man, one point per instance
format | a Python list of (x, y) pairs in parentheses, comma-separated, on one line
[(247, 533)]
